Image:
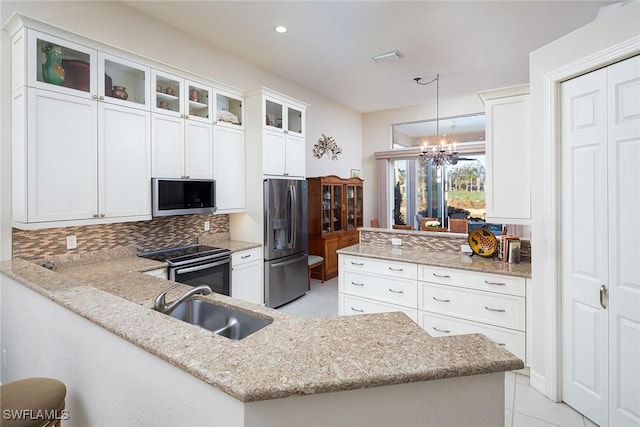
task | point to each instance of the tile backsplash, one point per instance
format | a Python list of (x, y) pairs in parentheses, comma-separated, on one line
[(158, 233)]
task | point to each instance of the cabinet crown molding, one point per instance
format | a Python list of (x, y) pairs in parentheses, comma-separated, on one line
[(505, 92)]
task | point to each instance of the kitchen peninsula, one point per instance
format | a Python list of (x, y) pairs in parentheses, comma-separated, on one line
[(113, 351)]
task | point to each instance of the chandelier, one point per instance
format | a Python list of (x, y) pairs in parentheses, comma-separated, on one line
[(440, 153)]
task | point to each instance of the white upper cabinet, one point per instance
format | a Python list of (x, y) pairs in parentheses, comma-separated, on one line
[(229, 168), (179, 97), (279, 133), (283, 115), (123, 82), (60, 65), (508, 192)]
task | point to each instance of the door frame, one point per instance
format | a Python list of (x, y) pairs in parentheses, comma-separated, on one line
[(551, 384)]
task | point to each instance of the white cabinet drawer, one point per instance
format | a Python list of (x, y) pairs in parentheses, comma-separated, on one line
[(495, 309), (510, 285), (378, 266), (350, 305), (387, 289), (243, 257), (437, 325)]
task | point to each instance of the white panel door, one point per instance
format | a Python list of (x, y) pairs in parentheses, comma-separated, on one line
[(167, 135), (296, 164), (62, 157), (124, 147), (624, 250), (229, 169), (584, 245), (601, 257), (198, 150)]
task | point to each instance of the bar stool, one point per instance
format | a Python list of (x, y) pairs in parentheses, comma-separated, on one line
[(315, 261), (32, 402)]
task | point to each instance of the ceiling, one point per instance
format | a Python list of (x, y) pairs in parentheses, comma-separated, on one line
[(329, 45)]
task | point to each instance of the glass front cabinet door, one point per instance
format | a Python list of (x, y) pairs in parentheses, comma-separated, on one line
[(123, 82), (167, 94), (229, 109), (62, 66)]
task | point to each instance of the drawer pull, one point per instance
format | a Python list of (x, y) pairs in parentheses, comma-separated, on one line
[(499, 310), (357, 284), (245, 256), (495, 283), (357, 263), (396, 269), (442, 300), (502, 344), (355, 309), (442, 276), (444, 331), (396, 292)]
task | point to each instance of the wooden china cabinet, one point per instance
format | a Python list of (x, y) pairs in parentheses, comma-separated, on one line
[(335, 213)]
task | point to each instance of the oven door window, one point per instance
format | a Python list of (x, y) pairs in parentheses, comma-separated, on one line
[(216, 275)]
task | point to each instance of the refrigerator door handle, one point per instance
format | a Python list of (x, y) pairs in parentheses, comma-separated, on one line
[(291, 261), (294, 217)]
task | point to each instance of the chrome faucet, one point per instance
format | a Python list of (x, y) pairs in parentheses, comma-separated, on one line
[(162, 306)]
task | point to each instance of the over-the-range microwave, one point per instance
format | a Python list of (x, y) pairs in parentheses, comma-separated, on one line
[(175, 196)]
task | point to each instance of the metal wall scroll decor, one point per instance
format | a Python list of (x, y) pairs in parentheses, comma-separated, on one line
[(326, 144)]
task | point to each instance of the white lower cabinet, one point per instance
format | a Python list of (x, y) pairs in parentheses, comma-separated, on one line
[(443, 301), (246, 275), (350, 305)]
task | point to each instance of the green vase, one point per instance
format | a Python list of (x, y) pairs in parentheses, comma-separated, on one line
[(52, 70)]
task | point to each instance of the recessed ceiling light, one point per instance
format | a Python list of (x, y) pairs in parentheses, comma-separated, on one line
[(280, 29), (388, 56)]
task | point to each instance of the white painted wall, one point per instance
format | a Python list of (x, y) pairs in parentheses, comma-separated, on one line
[(156, 40), (376, 136), (572, 49)]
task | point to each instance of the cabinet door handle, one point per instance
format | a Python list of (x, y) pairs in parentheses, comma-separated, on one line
[(495, 283), (442, 276), (444, 331), (94, 96), (357, 263), (355, 309), (442, 300), (396, 269), (101, 98), (95, 215), (102, 215), (498, 310), (245, 256), (396, 292)]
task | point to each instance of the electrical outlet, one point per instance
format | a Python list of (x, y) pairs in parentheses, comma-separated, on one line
[(207, 226), (397, 242), (72, 243)]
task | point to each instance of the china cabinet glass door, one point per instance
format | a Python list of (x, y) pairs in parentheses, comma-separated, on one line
[(351, 207), (326, 209), (337, 208), (359, 221)]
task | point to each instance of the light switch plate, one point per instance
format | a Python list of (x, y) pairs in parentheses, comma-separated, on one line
[(396, 242), (72, 242), (207, 226)]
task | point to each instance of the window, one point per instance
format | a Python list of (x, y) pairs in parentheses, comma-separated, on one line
[(426, 191)]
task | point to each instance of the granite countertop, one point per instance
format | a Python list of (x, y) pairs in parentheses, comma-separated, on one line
[(291, 356), (439, 259)]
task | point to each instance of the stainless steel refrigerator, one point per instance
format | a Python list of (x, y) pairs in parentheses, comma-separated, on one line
[(285, 241)]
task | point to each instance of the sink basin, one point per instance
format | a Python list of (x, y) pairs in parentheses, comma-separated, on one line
[(218, 319)]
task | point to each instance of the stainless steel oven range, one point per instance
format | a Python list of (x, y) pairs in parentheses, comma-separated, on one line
[(197, 265)]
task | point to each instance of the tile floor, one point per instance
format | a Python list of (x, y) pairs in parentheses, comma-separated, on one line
[(524, 406)]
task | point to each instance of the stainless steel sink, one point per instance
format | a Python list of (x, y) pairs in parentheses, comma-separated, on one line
[(218, 319)]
